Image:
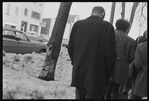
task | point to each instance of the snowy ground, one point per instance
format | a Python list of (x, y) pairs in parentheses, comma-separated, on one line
[(18, 84)]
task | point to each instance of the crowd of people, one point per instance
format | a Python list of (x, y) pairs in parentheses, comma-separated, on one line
[(106, 61)]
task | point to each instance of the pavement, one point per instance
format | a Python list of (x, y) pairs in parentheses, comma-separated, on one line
[(122, 96)]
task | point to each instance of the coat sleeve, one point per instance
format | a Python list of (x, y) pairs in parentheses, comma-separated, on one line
[(136, 65), (131, 52), (110, 50), (136, 42), (70, 43), (138, 61)]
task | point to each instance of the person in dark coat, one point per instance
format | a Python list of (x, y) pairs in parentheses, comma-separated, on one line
[(138, 70), (125, 47), (92, 51), (139, 40)]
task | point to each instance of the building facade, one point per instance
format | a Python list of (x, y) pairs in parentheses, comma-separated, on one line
[(47, 30), (24, 16)]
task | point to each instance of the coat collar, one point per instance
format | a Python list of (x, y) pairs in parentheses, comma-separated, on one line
[(120, 31), (94, 17)]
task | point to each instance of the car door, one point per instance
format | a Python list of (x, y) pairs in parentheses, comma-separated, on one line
[(10, 43), (26, 46)]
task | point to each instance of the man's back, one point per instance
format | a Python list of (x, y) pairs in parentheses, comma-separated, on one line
[(92, 51), (125, 55), (88, 39), (125, 46)]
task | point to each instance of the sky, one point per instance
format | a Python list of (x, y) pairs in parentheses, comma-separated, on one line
[(83, 10)]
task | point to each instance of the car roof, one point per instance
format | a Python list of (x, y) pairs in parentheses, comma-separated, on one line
[(11, 29)]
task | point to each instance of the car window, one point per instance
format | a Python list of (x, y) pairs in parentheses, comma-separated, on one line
[(3, 32), (21, 36), (33, 38), (9, 34)]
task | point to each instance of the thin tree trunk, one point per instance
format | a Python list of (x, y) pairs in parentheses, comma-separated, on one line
[(112, 12), (123, 10), (54, 44), (134, 7)]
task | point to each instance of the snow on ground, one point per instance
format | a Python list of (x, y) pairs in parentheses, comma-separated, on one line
[(18, 84)]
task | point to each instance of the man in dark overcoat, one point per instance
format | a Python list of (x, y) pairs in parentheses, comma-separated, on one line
[(92, 51)]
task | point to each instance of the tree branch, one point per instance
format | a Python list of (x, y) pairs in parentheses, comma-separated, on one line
[(123, 10)]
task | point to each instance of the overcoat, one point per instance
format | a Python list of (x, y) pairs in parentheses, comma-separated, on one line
[(125, 47), (92, 51), (139, 40), (140, 63)]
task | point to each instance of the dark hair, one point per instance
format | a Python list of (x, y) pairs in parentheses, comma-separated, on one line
[(122, 24), (98, 9)]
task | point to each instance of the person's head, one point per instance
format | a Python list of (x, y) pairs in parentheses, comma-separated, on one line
[(122, 25), (99, 11)]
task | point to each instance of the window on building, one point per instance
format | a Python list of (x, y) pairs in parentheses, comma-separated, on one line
[(24, 26), (25, 11), (17, 11), (10, 26), (33, 28), (8, 9), (35, 15)]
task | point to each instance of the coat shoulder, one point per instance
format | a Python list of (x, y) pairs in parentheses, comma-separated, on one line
[(108, 23), (131, 39), (143, 44)]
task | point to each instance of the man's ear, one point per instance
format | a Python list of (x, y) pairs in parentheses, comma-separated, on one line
[(102, 15)]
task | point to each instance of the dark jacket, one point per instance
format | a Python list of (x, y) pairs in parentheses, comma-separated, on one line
[(140, 65), (139, 40), (93, 52), (125, 47)]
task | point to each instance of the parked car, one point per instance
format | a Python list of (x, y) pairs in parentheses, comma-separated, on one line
[(15, 41), (31, 33), (37, 38)]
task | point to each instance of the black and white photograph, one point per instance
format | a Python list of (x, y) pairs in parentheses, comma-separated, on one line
[(74, 50)]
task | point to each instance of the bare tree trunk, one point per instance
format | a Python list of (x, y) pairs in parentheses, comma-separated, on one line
[(54, 44), (123, 10), (134, 7), (112, 12)]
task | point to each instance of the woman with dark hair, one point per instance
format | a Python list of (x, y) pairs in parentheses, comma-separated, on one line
[(125, 55)]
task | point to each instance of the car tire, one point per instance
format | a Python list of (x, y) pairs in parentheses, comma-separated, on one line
[(42, 51)]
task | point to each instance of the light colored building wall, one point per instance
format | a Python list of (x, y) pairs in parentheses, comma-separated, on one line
[(51, 26), (66, 31), (67, 28), (33, 7), (17, 20), (12, 18)]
